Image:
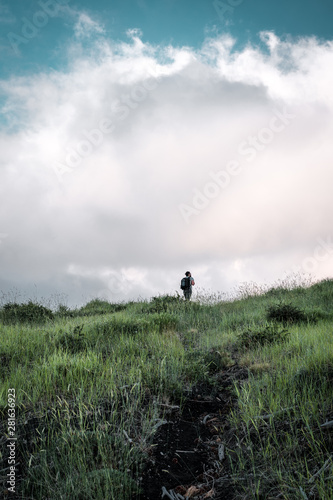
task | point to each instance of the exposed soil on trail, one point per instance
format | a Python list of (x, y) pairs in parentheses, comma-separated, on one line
[(188, 455)]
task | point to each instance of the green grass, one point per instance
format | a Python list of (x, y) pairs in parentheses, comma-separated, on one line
[(283, 410), (90, 384)]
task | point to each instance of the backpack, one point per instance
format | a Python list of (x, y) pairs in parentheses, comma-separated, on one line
[(185, 283)]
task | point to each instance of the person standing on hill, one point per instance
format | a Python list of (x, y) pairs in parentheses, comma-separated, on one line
[(186, 285)]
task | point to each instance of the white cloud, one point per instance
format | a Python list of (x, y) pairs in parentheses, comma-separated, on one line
[(85, 26), (175, 115)]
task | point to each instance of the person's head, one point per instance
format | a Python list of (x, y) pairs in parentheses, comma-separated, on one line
[(187, 273)]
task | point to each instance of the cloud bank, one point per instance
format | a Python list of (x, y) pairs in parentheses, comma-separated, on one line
[(139, 162)]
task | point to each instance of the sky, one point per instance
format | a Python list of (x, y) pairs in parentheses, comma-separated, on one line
[(141, 139)]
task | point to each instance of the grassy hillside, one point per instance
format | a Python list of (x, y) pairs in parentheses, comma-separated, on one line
[(92, 388)]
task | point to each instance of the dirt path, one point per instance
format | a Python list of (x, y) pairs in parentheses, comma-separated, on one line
[(189, 449)]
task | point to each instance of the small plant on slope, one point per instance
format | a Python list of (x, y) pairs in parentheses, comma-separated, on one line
[(262, 335), (25, 313), (285, 313)]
